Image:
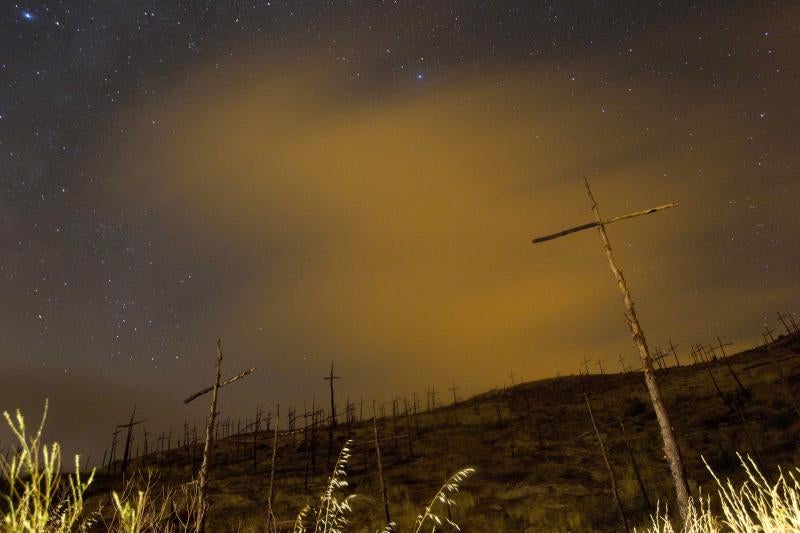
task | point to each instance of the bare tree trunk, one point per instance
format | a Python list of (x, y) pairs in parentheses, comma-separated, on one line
[(671, 449), (271, 525), (380, 467), (611, 478), (635, 465), (203, 479)]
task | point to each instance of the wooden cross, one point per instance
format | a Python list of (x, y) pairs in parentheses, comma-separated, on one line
[(700, 352), (453, 389), (586, 364), (511, 375), (782, 318), (730, 367), (659, 359), (693, 354), (330, 379), (794, 324), (146, 451), (126, 456), (768, 333), (722, 346), (713, 351), (161, 439), (622, 364), (113, 454), (600, 365), (674, 353), (671, 449), (204, 467), (292, 418)]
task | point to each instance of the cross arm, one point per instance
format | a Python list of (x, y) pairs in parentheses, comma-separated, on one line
[(602, 223), (226, 382)]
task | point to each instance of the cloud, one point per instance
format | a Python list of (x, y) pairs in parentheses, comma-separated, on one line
[(392, 234)]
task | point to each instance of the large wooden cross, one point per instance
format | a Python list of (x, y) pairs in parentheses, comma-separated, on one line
[(671, 449), (214, 389)]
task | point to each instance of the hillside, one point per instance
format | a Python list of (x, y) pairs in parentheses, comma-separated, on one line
[(538, 464)]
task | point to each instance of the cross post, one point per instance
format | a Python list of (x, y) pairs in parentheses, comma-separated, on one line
[(671, 449)]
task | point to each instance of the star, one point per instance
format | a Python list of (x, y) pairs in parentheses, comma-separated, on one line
[(27, 15), (420, 76)]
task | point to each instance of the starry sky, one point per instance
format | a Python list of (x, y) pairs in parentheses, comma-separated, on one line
[(359, 182)]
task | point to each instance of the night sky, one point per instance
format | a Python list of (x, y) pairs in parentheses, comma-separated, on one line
[(360, 181)]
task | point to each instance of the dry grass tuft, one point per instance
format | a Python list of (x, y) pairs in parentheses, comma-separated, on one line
[(38, 497), (756, 506)]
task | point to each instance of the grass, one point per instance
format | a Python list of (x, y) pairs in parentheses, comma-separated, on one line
[(757, 505), (39, 498)]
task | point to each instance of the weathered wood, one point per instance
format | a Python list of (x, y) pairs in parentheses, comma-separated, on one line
[(611, 478), (204, 467), (126, 456), (674, 353), (730, 368), (226, 382), (384, 494), (671, 449), (113, 455), (332, 424), (635, 465), (599, 223), (271, 526), (453, 389)]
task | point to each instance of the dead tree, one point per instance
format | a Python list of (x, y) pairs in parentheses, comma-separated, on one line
[(659, 357), (586, 364), (271, 525), (787, 386), (409, 433), (332, 423), (380, 468), (306, 446), (742, 388), (394, 424), (635, 465), (722, 395), (292, 417), (497, 409), (611, 478), (126, 455), (314, 412), (768, 333), (674, 353), (671, 449), (791, 326), (113, 455), (205, 466)]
